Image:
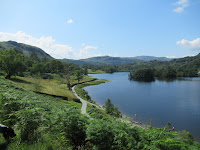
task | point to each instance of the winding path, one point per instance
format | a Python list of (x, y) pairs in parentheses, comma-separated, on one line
[(84, 107), (84, 103)]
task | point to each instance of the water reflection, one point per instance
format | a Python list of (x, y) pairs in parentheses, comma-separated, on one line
[(176, 100)]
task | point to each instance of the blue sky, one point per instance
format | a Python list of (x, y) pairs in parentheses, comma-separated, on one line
[(85, 28)]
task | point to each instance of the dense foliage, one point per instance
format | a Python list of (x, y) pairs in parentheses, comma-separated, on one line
[(11, 62), (182, 67), (14, 62), (111, 109), (142, 75), (44, 122)]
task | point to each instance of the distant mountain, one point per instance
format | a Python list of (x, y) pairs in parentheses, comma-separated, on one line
[(101, 60), (26, 49), (150, 58), (107, 60)]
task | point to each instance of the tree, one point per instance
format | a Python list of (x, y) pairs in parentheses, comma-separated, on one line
[(79, 75), (38, 68), (111, 109), (109, 106), (55, 66), (11, 62), (85, 71), (34, 57), (169, 72), (142, 75)]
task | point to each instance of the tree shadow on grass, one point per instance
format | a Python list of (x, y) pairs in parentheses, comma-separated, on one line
[(4, 145), (20, 81)]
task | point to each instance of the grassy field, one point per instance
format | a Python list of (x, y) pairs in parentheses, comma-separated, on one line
[(83, 94), (95, 72), (55, 86), (34, 117)]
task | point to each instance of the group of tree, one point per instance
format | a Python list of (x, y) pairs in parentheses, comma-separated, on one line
[(11, 62), (142, 75), (14, 62), (105, 68), (111, 109), (181, 67), (169, 72)]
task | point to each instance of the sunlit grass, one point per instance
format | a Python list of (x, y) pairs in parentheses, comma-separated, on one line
[(49, 86), (95, 72)]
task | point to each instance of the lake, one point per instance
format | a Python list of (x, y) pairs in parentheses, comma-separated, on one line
[(155, 103)]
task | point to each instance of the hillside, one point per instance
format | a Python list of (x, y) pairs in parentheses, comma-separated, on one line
[(101, 60), (184, 67), (108, 60), (26, 49), (45, 122)]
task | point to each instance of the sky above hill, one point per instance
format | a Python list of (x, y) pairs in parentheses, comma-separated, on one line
[(78, 29)]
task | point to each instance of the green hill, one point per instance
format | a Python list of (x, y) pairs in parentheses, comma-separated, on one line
[(44, 122), (26, 49), (108, 60)]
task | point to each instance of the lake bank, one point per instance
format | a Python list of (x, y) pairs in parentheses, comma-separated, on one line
[(155, 103)]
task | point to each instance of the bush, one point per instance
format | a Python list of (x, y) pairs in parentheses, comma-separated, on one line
[(28, 124), (74, 127)]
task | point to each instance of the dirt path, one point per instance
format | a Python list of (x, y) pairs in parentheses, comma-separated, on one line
[(84, 107), (84, 103)]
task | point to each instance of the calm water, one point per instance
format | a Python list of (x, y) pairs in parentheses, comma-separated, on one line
[(177, 101)]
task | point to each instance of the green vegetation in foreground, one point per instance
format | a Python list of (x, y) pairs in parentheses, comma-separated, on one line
[(84, 94), (44, 122)]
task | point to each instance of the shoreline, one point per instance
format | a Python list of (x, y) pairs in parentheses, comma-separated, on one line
[(146, 125), (126, 120)]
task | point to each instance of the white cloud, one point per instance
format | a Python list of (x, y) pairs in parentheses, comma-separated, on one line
[(70, 21), (181, 5), (190, 55), (49, 45), (87, 51), (179, 10), (171, 57), (45, 43), (193, 45)]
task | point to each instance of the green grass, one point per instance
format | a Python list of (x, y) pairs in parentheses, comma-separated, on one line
[(95, 72), (47, 107), (85, 79), (83, 94), (49, 86), (56, 86), (97, 113), (46, 120)]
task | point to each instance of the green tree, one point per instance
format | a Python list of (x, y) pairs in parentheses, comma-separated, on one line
[(74, 127), (34, 57), (100, 134), (142, 75), (38, 68), (54, 66), (85, 71), (79, 75), (169, 72), (111, 109), (11, 62)]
